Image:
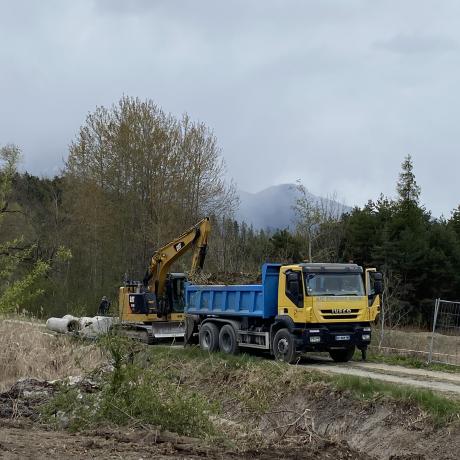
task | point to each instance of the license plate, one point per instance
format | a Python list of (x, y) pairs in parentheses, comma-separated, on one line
[(342, 337)]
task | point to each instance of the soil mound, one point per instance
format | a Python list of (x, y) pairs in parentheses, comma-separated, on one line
[(225, 278)]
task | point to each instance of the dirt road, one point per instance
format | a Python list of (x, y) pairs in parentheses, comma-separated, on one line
[(21, 439), (442, 382)]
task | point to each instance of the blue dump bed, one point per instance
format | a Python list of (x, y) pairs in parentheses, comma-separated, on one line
[(255, 300)]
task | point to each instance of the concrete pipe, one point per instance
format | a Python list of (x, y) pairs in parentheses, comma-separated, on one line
[(63, 325)]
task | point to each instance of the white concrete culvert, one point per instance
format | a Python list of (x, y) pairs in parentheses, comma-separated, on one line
[(67, 323), (89, 327), (441, 382)]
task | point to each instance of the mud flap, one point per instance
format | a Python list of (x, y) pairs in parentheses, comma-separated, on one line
[(190, 326)]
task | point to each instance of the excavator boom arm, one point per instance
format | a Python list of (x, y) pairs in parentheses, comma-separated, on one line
[(195, 237)]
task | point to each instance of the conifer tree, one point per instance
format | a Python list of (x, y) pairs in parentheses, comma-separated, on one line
[(407, 187)]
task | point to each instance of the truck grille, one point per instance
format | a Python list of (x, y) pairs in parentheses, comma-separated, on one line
[(340, 313)]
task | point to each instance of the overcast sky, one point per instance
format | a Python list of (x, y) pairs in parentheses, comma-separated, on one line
[(334, 93)]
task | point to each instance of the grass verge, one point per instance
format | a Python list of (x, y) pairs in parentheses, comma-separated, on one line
[(408, 361), (187, 390), (256, 382), (441, 409)]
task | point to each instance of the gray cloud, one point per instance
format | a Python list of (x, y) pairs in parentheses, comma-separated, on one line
[(412, 44), (334, 93)]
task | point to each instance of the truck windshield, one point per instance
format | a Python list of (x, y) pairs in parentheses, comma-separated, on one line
[(324, 284)]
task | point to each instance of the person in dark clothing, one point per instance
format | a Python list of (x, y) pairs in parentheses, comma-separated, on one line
[(103, 307)]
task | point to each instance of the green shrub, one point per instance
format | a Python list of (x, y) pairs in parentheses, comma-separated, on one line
[(132, 395)]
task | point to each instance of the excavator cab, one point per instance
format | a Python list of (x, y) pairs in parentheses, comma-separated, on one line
[(144, 302), (175, 292)]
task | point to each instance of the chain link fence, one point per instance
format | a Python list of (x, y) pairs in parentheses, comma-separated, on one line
[(440, 343), (445, 336)]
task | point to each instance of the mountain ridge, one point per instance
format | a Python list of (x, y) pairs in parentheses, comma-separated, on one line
[(272, 207)]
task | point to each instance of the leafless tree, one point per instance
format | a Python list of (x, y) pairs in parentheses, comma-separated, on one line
[(318, 220), (135, 177)]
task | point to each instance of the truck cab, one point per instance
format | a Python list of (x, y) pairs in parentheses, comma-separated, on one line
[(329, 306), (319, 293)]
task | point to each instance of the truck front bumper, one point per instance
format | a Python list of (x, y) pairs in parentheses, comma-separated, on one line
[(324, 337)]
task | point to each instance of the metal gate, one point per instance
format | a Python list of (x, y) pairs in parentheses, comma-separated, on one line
[(445, 337)]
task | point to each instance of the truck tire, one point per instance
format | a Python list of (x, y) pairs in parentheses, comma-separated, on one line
[(209, 337), (284, 346), (342, 356), (227, 340)]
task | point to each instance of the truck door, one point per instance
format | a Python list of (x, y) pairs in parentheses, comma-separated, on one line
[(292, 297), (372, 294)]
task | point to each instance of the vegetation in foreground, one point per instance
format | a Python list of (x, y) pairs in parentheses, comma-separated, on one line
[(131, 395), (441, 409), (27, 350), (187, 391)]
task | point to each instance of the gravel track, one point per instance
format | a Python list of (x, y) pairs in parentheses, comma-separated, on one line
[(442, 382)]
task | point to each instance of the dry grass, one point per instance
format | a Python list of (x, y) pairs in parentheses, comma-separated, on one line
[(417, 344), (28, 350)]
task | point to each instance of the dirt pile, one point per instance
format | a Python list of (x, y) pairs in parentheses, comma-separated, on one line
[(225, 278), (25, 398), (21, 439), (382, 429), (20, 407)]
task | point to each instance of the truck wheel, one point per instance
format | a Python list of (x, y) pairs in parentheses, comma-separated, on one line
[(227, 340), (209, 337), (342, 356), (284, 346)]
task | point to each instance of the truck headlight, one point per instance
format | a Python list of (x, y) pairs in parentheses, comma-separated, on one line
[(366, 329), (315, 339), (366, 337), (313, 331)]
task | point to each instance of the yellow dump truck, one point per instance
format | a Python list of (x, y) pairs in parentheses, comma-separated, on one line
[(297, 308)]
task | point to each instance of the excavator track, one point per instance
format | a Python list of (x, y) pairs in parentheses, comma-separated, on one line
[(141, 334)]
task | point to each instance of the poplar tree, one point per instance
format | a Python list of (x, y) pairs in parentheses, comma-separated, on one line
[(135, 178)]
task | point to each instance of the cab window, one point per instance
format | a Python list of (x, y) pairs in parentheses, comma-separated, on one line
[(294, 288)]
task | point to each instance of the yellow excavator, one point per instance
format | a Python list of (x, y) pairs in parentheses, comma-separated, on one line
[(154, 309)]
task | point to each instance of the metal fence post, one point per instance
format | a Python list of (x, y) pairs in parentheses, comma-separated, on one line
[(435, 317), (382, 321)]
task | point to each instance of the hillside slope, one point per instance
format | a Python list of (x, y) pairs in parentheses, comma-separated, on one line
[(272, 208)]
